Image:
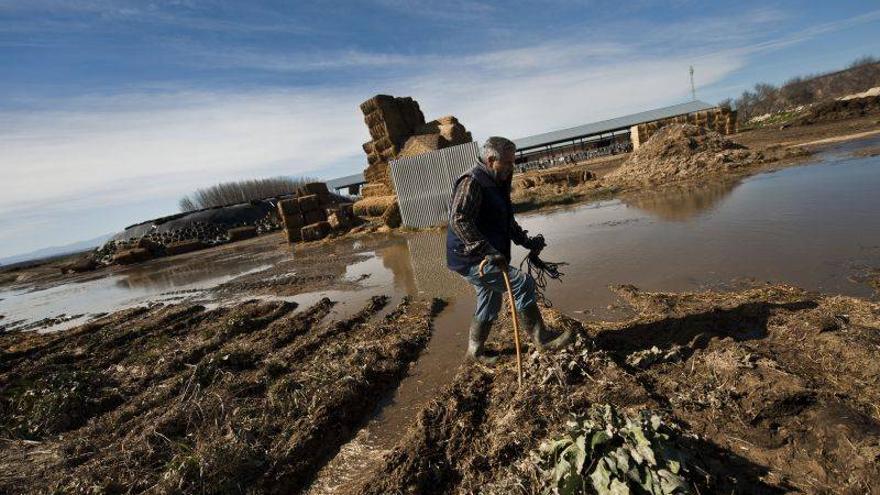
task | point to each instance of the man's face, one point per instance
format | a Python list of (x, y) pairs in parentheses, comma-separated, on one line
[(503, 167)]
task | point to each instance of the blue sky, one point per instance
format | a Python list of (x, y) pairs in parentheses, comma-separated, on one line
[(110, 111)]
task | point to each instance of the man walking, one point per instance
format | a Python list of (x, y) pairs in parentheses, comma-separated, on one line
[(481, 228)]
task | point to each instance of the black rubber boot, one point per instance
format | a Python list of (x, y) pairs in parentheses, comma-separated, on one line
[(533, 324), (477, 335)]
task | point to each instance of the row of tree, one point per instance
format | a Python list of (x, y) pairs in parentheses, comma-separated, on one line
[(229, 193), (862, 74)]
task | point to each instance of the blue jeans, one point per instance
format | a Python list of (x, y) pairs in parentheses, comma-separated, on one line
[(491, 290)]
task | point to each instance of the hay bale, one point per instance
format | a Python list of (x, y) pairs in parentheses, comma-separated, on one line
[(373, 206), (241, 233), (294, 221), (377, 189), (288, 207), (389, 153), (187, 246), (131, 256), (423, 143), (347, 210), (392, 217), (338, 220), (309, 203), (315, 231), (293, 234), (325, 202), (317, 188), (314, 216)]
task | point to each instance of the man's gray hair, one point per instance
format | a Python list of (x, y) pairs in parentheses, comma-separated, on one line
[(497, 146)]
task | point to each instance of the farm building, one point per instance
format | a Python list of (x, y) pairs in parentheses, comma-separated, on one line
[(615, 135)]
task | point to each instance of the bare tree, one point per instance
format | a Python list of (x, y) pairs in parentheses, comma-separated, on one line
[(229, 193), (860, 75)]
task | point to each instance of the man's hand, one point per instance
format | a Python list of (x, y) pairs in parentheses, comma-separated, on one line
[(496, 259), (535, 244)]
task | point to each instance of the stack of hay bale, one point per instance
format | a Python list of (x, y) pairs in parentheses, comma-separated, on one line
[(398, 129), (312, 215), (391, 122), (719, 119)]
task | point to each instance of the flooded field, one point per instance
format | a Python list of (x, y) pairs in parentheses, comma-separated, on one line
[(812, 226)]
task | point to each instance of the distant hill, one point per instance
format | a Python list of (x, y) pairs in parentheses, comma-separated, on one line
[(861, 75), (55, 251)]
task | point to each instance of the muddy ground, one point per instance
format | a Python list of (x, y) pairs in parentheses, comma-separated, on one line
[(171, 399), (775, 390)]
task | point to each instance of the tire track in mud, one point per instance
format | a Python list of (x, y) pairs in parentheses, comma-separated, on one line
[(254, 396)]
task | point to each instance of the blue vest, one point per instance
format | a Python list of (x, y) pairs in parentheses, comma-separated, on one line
[(492, 220)]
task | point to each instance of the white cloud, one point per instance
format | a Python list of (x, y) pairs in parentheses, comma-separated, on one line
[(123, 141), (119, 149)]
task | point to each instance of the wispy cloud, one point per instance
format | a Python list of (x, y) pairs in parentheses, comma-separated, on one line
[(106, 151), (84, 15)]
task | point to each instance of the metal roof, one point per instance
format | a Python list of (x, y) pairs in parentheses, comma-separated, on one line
[(610, 125), (348, 180)]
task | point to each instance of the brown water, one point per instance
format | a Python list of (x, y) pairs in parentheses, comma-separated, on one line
[(815, 226)]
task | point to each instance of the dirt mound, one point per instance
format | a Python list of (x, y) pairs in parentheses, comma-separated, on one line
[(840, 110), (179, 399), (769, 390), (681, 151)]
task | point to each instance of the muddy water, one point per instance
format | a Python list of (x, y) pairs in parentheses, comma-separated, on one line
[(160, 280)]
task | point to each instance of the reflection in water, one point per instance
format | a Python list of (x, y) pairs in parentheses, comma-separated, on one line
[(186, 275), (681, 203), (428, 254)]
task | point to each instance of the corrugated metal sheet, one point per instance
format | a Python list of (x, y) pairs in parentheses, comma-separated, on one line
[(610, 125), (348, 180), (424, 183)]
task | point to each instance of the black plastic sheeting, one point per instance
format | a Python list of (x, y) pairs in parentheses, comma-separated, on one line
[(223, 216), (226, 216)]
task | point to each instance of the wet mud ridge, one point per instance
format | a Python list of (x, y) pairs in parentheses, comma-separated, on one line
[(766, 390), (770, 390), (178, 399)]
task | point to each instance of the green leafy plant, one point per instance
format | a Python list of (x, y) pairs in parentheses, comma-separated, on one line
[(606, 452)]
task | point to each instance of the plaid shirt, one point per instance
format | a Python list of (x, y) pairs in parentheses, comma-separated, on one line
[(465, 205)]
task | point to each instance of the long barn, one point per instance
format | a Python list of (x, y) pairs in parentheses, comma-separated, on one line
[(617, 134)]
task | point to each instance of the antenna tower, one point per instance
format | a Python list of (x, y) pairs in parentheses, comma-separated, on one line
[(693, 89)]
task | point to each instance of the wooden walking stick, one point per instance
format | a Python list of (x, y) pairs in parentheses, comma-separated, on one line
[(515, 318)]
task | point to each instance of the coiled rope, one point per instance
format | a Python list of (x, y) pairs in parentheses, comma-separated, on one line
[(542, 272)]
